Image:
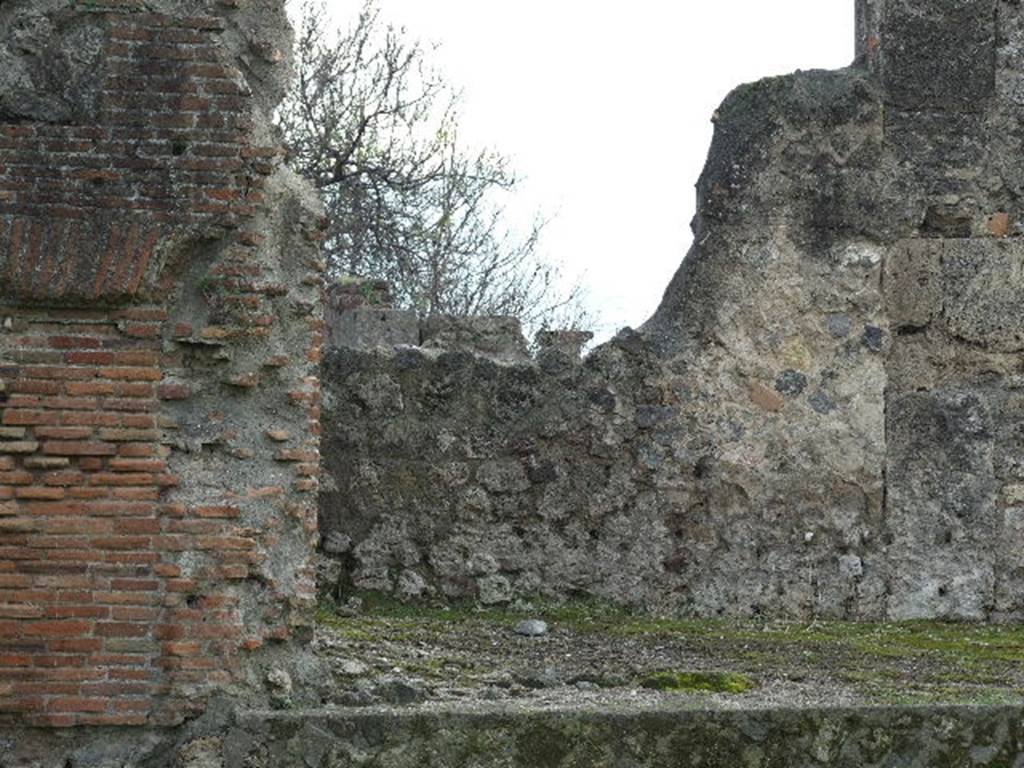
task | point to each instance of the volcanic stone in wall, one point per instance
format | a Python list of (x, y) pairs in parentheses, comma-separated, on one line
[(902, 209), (822, 418)]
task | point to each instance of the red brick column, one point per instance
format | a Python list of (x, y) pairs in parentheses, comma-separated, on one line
[(159, 406)]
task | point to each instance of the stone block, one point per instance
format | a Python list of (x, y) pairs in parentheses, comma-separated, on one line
[(941, 504), (934, 148), (983, 291), (912, 284), (369, 327), (969, 288), (939, 54)]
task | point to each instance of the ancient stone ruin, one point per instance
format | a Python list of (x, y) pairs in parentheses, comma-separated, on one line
[(160, 306), (823, 419)]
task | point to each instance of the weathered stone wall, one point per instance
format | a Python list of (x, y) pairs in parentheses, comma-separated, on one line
[(857, 234), (824, 415), (160, 304), (454, 472), (466, 474), (491, 736)]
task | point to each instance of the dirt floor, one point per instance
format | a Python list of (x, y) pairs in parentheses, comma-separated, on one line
[(591, 655)]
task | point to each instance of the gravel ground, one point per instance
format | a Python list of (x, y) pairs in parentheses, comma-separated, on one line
[(592, 657)]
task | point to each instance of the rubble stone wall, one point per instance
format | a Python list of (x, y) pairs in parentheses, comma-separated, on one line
[(624, 737), (822, 418), (160, 298)]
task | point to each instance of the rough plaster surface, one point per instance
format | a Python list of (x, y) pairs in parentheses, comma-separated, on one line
[(822, 418)]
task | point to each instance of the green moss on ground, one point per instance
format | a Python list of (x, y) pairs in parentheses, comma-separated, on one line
[(915, 661), (691, 682), (887, 639)]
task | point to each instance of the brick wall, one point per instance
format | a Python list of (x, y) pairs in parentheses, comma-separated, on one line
[(171, 149), (158, 395)]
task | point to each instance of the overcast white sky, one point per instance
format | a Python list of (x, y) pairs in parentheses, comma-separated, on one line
[(605, 108)]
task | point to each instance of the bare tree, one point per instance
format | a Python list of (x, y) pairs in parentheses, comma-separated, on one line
[(375, 127)]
